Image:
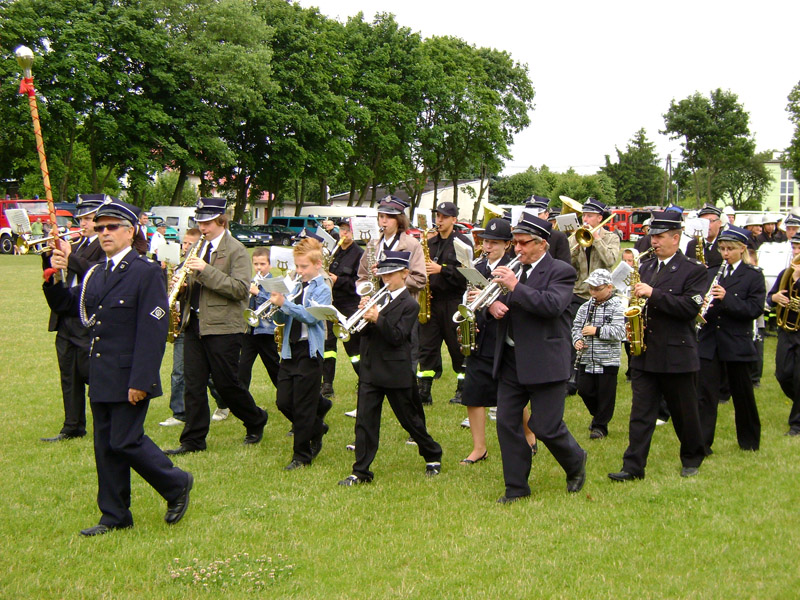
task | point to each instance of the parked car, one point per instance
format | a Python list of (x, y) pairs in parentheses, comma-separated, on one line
[(170, 233), (280, 233), (249, 236), (296, 224)]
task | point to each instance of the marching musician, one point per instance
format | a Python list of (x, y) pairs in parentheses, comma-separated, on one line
[(674, 286), (711, 253), (737, 298), (534, 322), (447, 288), (769, 231), (787, 353), (123, 303), (300, 373), (212, 305), (387, 372), (559, 244), (343, 271), (72, 338)]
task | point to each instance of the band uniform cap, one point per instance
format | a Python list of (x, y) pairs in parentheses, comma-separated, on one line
[(795, 238), (665, 221), (86, 204), (538, 204), (553, 214), (208, 209), (755, 220), (392, 205), (533, 225), (497, 229), (308, 233), (792, 221), (674, 208), (593, 205), (447, 209), (599, 277), (118, 209), (507, 216), (734, 234), (344, 222), (393, 260), (709, 210)]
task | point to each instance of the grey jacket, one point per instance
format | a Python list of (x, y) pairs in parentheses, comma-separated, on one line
[(604, 255)]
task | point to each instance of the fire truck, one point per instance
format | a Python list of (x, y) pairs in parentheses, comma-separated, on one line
[(627, 222), (37, 211)]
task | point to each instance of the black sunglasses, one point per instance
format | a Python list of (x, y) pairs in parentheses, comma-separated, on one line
[(109, 227)]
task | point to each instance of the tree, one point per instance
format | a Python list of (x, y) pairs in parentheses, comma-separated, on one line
[(791, 157), (516, 189), (716, 135), (637, 176), (747, 183)]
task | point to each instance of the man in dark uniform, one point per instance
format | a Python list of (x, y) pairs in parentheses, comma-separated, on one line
[(343, 271), (769, 231), (559, 245), (713, 258), (534, 322), (123, 302), (674, 286), (643, 243), (72, 338), (447, 292)]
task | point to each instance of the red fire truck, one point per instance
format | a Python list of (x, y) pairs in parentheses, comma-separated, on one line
[(627, 222), (37, 211)]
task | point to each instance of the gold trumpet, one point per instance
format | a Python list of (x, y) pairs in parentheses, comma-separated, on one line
[(585, 236), (782, 312), (24, 246)]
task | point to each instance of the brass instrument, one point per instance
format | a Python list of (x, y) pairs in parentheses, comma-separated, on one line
[(490, 211), (268, 310), (782, 312), (365, 288), (327, 256), (569, 206), (283, 266), (424, 298), (466, 312), (708, 299), (24, 246), (172, 300), (634, 322), (699, 249), (356, 322), (468, 331), (585, 236)]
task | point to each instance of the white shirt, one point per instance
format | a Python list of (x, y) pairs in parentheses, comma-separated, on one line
[(156, 241)]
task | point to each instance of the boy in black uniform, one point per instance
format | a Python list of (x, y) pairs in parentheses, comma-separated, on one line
[(387, 372), (447, 291), (344, 273)]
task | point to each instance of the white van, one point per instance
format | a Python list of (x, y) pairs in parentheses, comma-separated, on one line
[(179, 217)]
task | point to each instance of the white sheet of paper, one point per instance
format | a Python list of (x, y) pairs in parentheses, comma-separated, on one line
[(365, 228), (473, 276), (464, 252), (620, 274), (326, 312), (281, 257), (567, 223), (169, 253), (696, 226), (18, 220), (329, 242), (280, 285), (516, 213)]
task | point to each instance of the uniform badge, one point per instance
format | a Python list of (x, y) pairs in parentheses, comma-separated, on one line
[(698, 299), (200, 204), (493, 226), (157, 313)]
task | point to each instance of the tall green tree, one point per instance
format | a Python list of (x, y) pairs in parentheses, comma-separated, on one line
[(638, 179), (791, 157), (517, 188), (747, 183)]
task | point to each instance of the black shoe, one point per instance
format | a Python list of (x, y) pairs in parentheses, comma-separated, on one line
[(456, 399), (689, 471), (326, 390), (596, 434), (182, 450), (433, 469), (623, 476), (316, 442), (295, 464), (351, 447), (352, 480), (510, 499), (177, 508), (254, 435), (575, 484), (62, 437), (101, 529), (793, 432)]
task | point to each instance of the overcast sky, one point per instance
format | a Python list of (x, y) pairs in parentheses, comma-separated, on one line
[(602, 70)]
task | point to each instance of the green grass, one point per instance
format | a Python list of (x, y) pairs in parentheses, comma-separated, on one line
[(731, 532)]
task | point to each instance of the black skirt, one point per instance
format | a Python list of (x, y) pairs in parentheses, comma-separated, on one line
[(479, 387)]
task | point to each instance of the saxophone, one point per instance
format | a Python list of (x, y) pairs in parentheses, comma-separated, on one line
[(634, 322), (425, 293), (172, 300), (699, 249)]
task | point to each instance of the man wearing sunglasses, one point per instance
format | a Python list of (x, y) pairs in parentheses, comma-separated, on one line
[(123, 303)]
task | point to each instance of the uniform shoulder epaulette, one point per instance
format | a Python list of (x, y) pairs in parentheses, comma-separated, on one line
[(694, 261), (754, 267), (146, 259)]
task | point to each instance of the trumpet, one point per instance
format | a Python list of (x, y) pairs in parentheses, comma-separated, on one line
[(585, 236), (356, 322), (24, 246), (268, 310), (466, 312)]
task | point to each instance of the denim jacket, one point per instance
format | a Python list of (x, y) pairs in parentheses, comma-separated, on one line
[(264, 325), (319, 293)]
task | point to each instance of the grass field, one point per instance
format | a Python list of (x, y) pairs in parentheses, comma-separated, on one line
[(731, 532)]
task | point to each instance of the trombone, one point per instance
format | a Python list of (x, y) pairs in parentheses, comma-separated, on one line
[(585, 236), (24, 246)]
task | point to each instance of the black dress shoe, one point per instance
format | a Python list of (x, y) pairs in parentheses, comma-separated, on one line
[(177, 508), (295, 464), (575, 484), (101, 529), (623, 476), (352, 480), (510, 499), (254, 435), (433, 469), (689, 471), (63, 436), (182, 450), (316, 442)]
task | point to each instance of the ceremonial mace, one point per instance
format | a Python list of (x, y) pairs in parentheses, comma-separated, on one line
[(25, 61)]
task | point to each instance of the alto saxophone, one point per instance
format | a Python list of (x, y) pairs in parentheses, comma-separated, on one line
[(172, 300), (425, 293), (634, 322)]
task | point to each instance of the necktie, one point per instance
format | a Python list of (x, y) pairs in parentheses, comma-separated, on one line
[(109, 268), (296, 330), (660, 264), (524, 277), (207, 255), (728, 271)]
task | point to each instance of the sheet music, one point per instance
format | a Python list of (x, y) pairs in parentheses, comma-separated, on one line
[(281, 257), (280, 285), (464, 252), (169, 253), (18, 220), (473, 276), (328, 240), (365, 228), (567, 223), (696, 226), (326, 312), (619, 276), (516, 213)]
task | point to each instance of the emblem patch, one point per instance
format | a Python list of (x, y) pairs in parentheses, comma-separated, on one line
[(698, 299), (157, 313), (200, 204), (493, 227)]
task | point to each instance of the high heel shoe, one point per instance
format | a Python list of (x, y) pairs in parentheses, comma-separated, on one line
[(467, 461)]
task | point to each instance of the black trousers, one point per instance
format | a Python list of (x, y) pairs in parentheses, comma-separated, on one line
[(121, 445), (72, 350), (218, 356), (599, 393), (748, 425), (298, 398), (368, 425), (440, 327), (263, 346), (679, 392), (787, 372), (351, 347), (547, 422)]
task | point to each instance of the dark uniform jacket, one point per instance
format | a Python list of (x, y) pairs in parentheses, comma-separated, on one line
[(345, 266), (642, 244), (729, 322), (559, 245), (81, 259), (386, 345), (129, 332), (541, 324), (670, 315), (486, 323), (449, 283), (711, 253), (777, 236)]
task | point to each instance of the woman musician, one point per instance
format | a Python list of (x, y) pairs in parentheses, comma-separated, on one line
[(735, 299), (787, 354)]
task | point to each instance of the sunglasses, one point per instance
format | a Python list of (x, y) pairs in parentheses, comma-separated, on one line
[(111, 227)]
